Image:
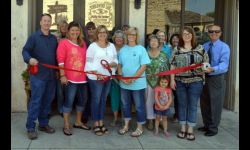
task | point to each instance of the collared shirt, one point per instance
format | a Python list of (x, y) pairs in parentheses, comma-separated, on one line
[(167, 49), (220, 56), (43, 48)]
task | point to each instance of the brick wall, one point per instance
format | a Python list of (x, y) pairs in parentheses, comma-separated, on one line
[(156, 17)]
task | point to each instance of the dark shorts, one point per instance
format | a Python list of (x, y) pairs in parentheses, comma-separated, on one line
[(163, 112)]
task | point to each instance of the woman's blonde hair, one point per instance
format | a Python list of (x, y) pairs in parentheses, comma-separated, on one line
[(134, 29)]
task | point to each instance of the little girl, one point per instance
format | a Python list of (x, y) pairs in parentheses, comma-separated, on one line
[(163, 99)]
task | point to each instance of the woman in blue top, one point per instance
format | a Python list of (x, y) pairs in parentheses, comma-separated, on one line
[(133, 59)]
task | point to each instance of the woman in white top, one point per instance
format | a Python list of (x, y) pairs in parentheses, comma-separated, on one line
[(99, 50)]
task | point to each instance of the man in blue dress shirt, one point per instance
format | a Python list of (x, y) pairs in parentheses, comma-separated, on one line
[(213, 94), (41, 48)]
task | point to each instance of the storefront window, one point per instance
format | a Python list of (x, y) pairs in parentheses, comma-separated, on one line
[(167, 16), (163, 15), (198, 15), (101, 12), (59, 10)]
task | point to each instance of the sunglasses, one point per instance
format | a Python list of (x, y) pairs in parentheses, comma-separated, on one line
[(91, 28), (214, 31)]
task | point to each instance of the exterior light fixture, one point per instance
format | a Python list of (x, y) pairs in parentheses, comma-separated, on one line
[(137, 4), (19, 2)]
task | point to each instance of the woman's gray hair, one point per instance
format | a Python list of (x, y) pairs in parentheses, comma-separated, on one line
[(119, 33), (153, 36)]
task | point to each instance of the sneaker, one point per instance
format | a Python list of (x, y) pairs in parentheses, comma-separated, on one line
[(46, 129), (32, 134)]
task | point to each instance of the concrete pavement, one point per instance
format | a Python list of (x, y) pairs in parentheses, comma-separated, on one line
[(227, 138)]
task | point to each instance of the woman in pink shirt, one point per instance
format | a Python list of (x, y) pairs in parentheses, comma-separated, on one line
[(71, 53)]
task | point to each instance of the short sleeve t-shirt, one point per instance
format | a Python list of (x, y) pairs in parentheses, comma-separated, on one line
[(163, 96), (131, 59)]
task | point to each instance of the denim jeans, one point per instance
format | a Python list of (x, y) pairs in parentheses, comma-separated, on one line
[(99, 92), (87, 111), (139, 99), (188, 95), (42, 94), (166, 112), (59, 95), (72, 90)]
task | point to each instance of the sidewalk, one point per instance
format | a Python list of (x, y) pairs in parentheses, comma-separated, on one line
[(227, 138)]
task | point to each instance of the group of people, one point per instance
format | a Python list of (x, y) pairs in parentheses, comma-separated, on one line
[(86, 49)]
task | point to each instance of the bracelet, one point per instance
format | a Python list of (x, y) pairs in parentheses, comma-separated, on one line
[(62, 75)]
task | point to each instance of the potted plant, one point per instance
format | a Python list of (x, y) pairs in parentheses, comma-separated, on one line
[(25, 77)]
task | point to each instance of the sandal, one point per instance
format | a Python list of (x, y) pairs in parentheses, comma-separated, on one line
[(167, 134), (181, 135), (190, 136), (82, 126), (137, 133), (104, 130), (123, 131), (156, 133), (67, 131), (97, 130)]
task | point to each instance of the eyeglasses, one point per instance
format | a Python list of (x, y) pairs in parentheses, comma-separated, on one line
[(186, 34), (132, 34), (214, 31), (102, 32)]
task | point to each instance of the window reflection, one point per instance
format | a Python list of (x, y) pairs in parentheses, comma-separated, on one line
[(199, 14), (59, 10), (166, 16), (101, 12)]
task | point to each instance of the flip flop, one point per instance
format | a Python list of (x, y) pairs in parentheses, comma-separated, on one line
[(82, 127), (190, 135)]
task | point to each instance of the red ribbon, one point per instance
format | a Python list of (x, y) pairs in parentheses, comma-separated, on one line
[(105, 64)]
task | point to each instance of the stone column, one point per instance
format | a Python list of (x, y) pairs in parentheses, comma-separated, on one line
[(137, 18), (19, 35)]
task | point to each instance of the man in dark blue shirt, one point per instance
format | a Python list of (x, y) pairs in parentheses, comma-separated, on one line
[(41, 48), (213, 94)]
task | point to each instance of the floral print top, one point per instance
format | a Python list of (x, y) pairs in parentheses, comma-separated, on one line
[(157, 65)]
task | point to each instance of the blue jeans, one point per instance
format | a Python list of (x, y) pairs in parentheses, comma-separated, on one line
[(188, 95), (42, 94), (72, 90), (99, 92), (139, 100), (59, 96)]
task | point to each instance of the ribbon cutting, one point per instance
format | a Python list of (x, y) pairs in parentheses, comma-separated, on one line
[(34, 69)]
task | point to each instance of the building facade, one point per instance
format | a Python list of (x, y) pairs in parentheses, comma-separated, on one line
[(147, 15)]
